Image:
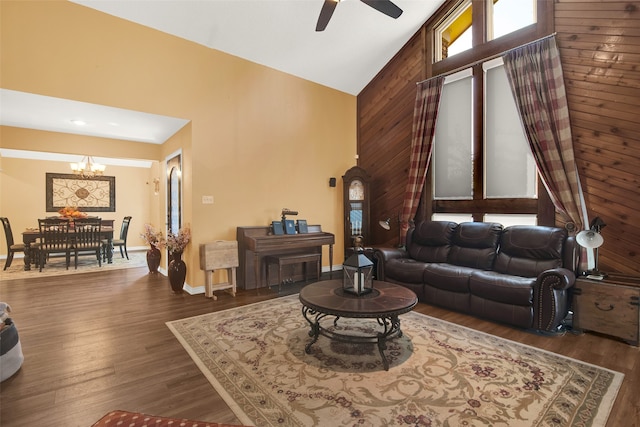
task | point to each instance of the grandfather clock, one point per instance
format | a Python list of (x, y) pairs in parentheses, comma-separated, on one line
[(356, 208)]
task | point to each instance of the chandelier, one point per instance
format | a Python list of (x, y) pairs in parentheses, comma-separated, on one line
[(87, 167)]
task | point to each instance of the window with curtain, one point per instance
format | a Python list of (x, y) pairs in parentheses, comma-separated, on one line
[(508, 168), (482, 167)]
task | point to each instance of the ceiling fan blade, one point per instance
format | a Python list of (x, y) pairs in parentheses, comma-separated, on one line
[(385, 6), (325, 14)]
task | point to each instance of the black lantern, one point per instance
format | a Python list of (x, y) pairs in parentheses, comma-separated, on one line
[(358, 274)]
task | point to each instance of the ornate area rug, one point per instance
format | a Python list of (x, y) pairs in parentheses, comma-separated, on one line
[(86, 264), (440, 374)]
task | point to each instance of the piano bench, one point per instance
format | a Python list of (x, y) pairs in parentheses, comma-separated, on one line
[(289, 259)]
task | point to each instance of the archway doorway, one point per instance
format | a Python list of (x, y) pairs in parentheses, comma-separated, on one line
[(174, 194)]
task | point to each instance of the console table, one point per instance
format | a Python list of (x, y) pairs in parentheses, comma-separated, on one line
[(609, 306)]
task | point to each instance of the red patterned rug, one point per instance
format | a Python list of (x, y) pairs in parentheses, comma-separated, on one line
[(440, 374)]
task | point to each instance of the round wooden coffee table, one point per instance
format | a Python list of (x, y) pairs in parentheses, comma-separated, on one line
[(385, 303)]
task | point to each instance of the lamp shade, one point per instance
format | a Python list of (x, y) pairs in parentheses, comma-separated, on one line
[(589, 239), (386, 224)]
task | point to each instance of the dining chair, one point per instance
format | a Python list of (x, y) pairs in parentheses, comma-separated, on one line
[(87, 239), (122, 241), (54, 240), (12, 247)]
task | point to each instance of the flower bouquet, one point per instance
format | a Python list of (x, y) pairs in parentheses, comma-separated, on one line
[(176, 243), (151, 236)]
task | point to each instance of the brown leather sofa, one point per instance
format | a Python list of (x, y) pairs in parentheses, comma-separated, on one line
[(518, 275)]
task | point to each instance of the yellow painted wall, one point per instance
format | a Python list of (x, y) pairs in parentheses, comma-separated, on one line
[(258, 140)]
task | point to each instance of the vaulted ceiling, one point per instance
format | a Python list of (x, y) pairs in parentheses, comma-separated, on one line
[(358, 41)]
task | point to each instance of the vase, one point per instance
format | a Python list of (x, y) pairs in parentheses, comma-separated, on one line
[(153, 259), (177, 272)]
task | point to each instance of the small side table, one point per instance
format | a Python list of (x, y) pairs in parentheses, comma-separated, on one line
[(610, 306), (219, 255)]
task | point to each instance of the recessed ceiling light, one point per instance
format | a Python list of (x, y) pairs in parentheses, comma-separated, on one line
[(78, 122), (113, 124)]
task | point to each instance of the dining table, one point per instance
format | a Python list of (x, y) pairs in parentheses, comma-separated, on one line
[(30, 235)]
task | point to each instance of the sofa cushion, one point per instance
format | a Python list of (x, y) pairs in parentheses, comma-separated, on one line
[(430, 241), (475, 244), (406, 270), (528, 251), (448, 277), (502, 288)]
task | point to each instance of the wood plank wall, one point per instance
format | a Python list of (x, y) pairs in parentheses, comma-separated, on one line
[(599, 43), (385, 116)]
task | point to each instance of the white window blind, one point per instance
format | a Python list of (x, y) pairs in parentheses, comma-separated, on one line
[(453, 141), (510, 169)]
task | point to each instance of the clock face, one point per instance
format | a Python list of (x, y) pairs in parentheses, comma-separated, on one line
[(356, 190)]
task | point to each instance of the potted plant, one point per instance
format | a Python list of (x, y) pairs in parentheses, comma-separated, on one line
[(153, 239)]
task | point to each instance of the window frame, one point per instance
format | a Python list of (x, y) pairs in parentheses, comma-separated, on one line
[(454, 13)]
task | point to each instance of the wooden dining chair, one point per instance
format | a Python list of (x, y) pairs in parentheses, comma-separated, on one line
[(12, 247), (87, 239), (122, 241), (54, 240)]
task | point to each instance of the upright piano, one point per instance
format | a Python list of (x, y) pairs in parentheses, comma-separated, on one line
[(254, 243)]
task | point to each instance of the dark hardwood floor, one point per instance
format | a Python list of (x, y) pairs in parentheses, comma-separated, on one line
[(97, 342)]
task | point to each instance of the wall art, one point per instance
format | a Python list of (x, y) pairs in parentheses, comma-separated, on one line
[(97, 194)]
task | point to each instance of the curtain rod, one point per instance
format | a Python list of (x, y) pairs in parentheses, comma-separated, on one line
[(488, 58)]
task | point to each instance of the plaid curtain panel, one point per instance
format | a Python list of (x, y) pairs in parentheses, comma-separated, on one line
[(535, 75), (425, 113)]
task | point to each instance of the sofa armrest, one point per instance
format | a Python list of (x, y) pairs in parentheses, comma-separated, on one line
[(382, 255), (558, 278), (551, 298)]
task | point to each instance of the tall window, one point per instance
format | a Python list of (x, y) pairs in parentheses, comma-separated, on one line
[(482, 168), (508, 168)]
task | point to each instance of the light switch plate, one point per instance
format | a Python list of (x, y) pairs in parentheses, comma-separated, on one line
[(207, 200)]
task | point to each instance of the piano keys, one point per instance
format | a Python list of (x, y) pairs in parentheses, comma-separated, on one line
[(254, 243)]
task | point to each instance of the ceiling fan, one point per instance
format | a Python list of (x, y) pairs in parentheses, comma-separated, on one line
[(385, 6)]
